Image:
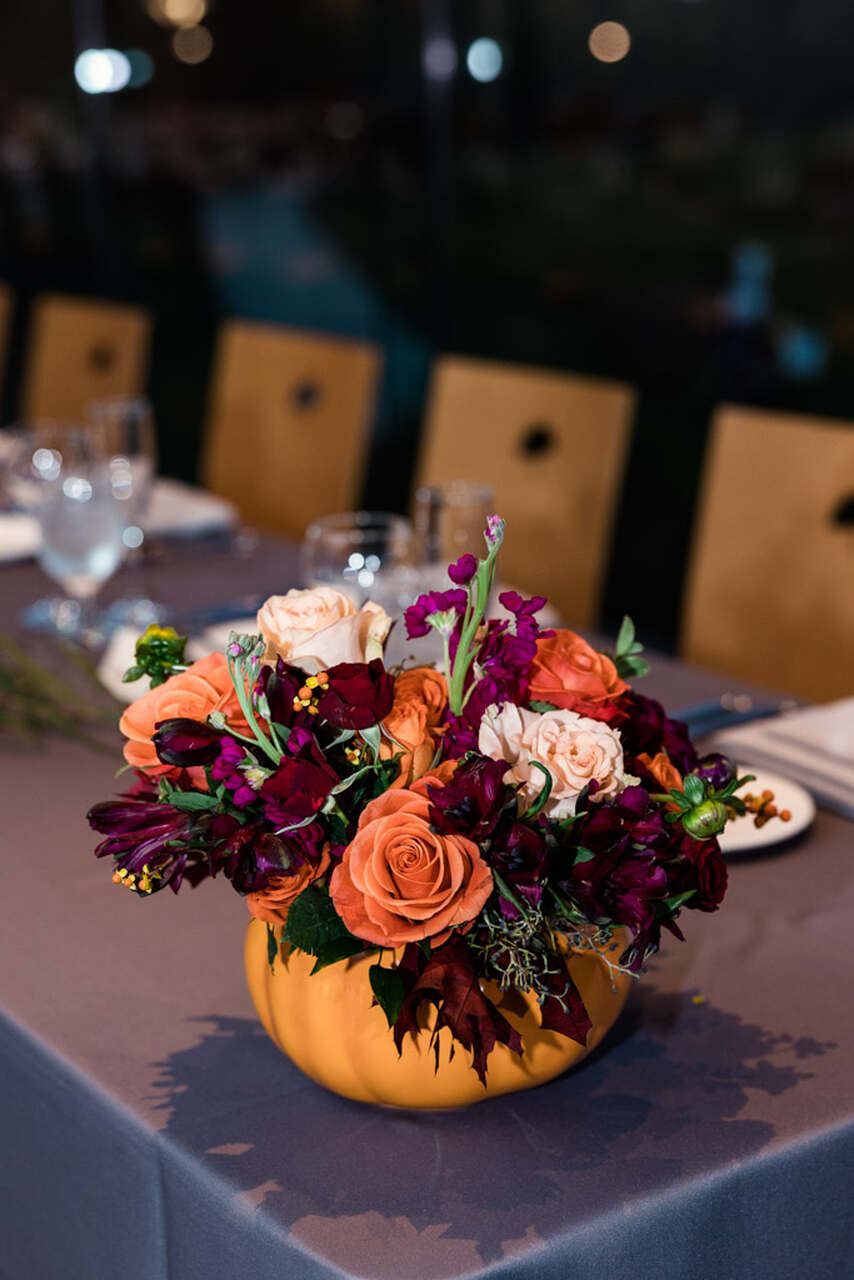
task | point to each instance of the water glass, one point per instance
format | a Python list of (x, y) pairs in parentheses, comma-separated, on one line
[(126, 425), (449, 521), (60, 473), (368, 555)]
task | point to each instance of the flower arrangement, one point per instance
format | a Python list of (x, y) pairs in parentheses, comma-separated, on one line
[(461, 825)]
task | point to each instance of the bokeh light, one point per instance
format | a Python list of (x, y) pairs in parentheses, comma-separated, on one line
[(609, 42), (102, 70), (192, 44), (141, 68), (484, 59), (177, 13), (440, 58)]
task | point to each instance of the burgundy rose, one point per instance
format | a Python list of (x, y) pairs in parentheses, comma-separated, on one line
[(280, 685), (701, 867), (186, 742), (300, 785), (359, 694), (648, 730)]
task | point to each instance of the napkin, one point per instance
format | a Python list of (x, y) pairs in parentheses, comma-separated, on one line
[(815, 746), (19, 536)]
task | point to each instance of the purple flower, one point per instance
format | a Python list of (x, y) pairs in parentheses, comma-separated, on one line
[(494, 532), (519, 854), (227, 769), (472, 802), (159, 844), (648, 729), (186, 742), (463, 570), (359, 694), (433, 602), (301, 784), (716, 770)]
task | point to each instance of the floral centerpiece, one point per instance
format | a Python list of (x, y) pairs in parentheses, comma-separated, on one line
[(454, 833)]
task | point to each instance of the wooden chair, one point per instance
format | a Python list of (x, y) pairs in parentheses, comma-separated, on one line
[(81, 349), (770, 587), (288, 423), (553, 447)]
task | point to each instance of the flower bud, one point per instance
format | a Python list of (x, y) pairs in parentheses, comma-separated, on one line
[(705, 820)]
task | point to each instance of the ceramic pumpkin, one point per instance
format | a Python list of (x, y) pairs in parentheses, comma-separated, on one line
[(328, 1026)]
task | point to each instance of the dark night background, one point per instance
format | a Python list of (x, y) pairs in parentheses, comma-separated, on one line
[(679, 219)]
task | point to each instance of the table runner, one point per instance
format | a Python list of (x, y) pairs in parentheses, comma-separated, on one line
[(150, 1130)]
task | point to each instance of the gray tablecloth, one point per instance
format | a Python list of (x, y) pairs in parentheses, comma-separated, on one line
[(149, 1130)]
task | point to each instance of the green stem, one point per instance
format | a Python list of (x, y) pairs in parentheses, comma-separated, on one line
[(246, 707)]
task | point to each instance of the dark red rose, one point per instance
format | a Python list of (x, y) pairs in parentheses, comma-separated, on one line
[(701, 867), (300, 785), (647, 729), (186, 742), (359, 694), (279, 685)]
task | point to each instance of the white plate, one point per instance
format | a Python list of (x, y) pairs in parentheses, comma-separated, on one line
[(741, 835)]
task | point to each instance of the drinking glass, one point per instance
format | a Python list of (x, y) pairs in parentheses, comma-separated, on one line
[(368, 555), (60, 473), (126, 424), (449, 521)]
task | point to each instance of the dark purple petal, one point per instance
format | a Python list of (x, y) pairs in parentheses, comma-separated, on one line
[(186, 742), (463, 570)]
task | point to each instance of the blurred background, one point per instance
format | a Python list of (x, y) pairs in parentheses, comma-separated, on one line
[(657, 193)]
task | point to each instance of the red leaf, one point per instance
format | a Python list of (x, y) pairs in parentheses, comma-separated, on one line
[(448, 980), (564, 1009)]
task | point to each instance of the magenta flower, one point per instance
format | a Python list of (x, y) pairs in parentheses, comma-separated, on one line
[(463, 570)]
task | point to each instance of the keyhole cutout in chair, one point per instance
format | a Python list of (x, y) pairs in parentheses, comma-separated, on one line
[(843, 512), (304, 395), (538, 440), (102, 358)]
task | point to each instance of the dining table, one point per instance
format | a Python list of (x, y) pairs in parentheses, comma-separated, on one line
[(150, 1130)]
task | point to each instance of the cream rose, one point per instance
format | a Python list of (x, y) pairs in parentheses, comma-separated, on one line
[(319, 627), (574, 749)]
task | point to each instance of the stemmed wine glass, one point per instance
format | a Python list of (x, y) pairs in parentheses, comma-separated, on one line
[(368, 555), (60, 473)]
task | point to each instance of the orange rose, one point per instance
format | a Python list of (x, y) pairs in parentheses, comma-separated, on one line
[(400, 881), (662, 769), (420, 698), (204, 687), (273, 903), (570, 674)]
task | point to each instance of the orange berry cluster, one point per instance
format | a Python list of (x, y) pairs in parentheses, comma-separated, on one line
[(764, 809), (143, 883), (306, 697)]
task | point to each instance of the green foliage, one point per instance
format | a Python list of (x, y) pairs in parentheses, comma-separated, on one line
[(544, 794), (313, 923), (272, 945), (542, 707), (387, 986), (159, 654), (338, 949), (626, 658), (192, 801)]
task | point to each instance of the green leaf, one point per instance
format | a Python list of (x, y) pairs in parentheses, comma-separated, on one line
[(628, 666), (344, 736), (544, 793), (694, 790), (193, 801), (371, 736), (626, 636), (272, 945), (387, 986), (348, 782), (542, 707), (133, 673), (677, 900), (583, 855), (338, 949), (313, 923)]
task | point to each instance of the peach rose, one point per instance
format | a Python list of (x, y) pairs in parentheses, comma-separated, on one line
[(574, 749), (204, 687), (662, 769), (273, 903), (568, 672), (320, 627), (420, 698), (400, 881)]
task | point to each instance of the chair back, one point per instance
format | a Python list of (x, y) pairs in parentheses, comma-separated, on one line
[(82, 349), (288, 423), (770, 588), (553, 447)]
